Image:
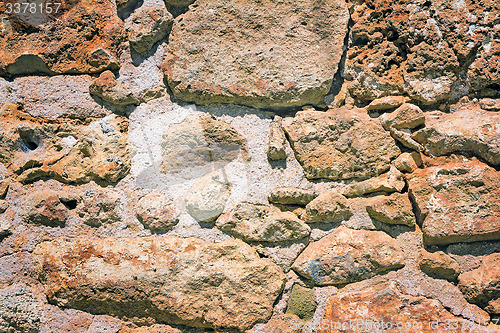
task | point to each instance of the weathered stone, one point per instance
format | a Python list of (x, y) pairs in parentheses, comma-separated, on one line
[(490, 104), (378, 302), (239, 52), (340, 144), (388, 182), (386, 103), (172, 280), (277, 140), (157, 212), (21, 309), (329, 206), (106, 87), (439, 264), (57, 320), (44, 207), (5, 227), (406, 116), (347, 255), (292, 196), (151, 329), (470, 130), (302, 302), (99, 207), (4, 205), (281, 323), (63, 149), (148, 25), (82, 37), (201, 141), (260, 223), (481, 286), (393, 209), (408, 162), (206, 199), (457, 202), (422, 49)]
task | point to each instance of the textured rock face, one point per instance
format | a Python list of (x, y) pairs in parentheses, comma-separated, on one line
[(389, 182), (467, 130), (393, 209), (340, 144), (246, 52), (170, 279), (422, 49), (200, 141), (21, 309), (292, 196), (34, 148), (260, 223), (380, 302), (439, 264), (346, 256), (44, 207), (99, 207), (277, 141), (156, 212), (457, 202), (482, 285), (328, 207), (83, 37)]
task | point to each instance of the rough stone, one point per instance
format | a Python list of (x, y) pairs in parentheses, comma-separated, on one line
[(83, 37), (340, 144), (201, 141), (44, 207), (4, 205), (347, 255), (393, 209), (386, 103), (107, 88), (281, 323), (98, 207), (378, 301), (240, 52), (57, 320), (457, 201), (329, 206), (157, 212), (277, 141), (158, 328), (408, 162), (469, 130), (172, 280), (147, 26), (261, 223), (481, 286), (490, 104), (439, 264), (292, 196), (68, 151), (301, 303), (206, 199), (406, 116), (21, 309), (389, 182)]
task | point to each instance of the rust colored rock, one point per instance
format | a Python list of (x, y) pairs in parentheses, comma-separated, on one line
[(347, 255), (83, 37), (457, 202), (277, 139), (64, 149), (44, 207), (439, 264), (169, 279), (340, 144), (422, 49), (481, 286), (393, 209), (200, 141), (469, 130), (245, 52), (329, 207), (366, 306), (261, 223)]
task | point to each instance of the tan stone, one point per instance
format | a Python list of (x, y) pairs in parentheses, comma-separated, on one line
[(277, 139), (388, 182), (408, 162), (329, 206), (169, 279), (157, 212), (393, 209), (240, 52), (457, 201), (439, 264), (347, 255), (98, 207), (44, 207), (260, 223), (281, 323), (386, 103), (469, 130), (292, 196), (106, 87), (340, 144), (406, 116), (490, 104)]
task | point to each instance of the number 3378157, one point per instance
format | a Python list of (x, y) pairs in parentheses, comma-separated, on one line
[(33, 8)]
